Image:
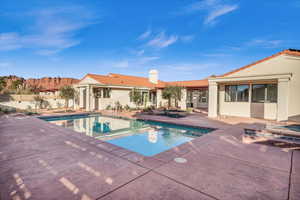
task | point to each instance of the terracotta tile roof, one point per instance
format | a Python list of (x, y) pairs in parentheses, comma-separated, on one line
[(136, 81), (124, 80), (292, 52), (193, 83)]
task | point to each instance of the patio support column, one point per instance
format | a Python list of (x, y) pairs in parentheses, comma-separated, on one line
[(183, 99), (88, 101), (213, 99), (92, 99), (81, 97), (282, 99), (158, 98)]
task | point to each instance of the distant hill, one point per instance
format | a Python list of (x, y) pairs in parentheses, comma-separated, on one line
[(40, 83)]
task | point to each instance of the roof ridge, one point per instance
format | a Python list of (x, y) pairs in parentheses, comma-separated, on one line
[(128, 75), (294, 52), (186, 80)]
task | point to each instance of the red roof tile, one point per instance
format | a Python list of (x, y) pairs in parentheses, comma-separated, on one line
[(123, 80), (193, 83), (287, 51), (136, 81)]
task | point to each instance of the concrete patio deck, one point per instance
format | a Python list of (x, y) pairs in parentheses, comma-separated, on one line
[(39, 160)]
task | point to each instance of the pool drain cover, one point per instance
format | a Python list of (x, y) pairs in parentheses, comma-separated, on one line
[(180, 160)]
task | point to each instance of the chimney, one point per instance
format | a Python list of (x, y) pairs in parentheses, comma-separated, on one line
[(153, 76)]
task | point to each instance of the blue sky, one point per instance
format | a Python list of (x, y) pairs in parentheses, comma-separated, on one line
[(183, 39)]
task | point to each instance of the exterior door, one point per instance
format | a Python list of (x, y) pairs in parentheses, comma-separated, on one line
[(257, 110)]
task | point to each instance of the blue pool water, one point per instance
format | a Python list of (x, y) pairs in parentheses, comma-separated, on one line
[(145, 137)]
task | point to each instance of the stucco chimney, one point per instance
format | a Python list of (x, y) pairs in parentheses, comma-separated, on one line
[(153, 76)]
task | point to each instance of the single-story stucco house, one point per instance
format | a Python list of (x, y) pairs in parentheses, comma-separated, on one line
[(97, 92), (268, 89)]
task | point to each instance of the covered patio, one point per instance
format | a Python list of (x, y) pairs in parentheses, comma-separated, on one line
[(261, 96)]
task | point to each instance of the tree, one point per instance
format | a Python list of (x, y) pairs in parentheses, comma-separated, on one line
[(136, 96), (16, 84), (67, 93), (2, 83), (39, 101), (172, 92), (167, 94)]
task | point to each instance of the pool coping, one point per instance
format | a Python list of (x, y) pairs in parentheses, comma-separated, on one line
[(127, 118)]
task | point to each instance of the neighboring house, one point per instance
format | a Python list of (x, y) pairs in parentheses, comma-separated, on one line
[(97, 92), (269, 89), (49, 92)]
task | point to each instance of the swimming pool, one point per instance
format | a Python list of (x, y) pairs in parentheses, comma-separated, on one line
[(145, 137)]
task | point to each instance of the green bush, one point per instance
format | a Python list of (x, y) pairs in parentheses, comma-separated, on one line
[(126, 107), (108, 107)]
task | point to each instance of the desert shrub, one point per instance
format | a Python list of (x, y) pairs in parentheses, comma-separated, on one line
[(108, 107), (118, 106), (126, 107)]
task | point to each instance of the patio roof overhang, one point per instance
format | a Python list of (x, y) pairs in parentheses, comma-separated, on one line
[(261, 77)]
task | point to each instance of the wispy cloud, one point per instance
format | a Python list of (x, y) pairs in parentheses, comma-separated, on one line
[(140, 52), (218, 12), (10, 41), (187, 38), (215, 55), (186, 70), (129, 63), (213, 9), (121, 64), (53, 30), (5, 64), (162, 40), (261, 43), (145, 35), (264, 43), (147, 59)]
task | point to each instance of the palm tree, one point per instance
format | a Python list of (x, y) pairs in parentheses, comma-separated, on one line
[(67, 93)]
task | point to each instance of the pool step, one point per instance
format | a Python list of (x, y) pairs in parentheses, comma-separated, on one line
[(275, 135), (283, 131)]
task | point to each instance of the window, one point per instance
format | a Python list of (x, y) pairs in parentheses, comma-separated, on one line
[(97, 92), (237, 93), (106, 92), (145, 97), (189, 98), (262, 93), (152, 97), (203, 96)]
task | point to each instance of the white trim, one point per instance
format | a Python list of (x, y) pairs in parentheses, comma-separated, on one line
[(110, 86), (251, 78)]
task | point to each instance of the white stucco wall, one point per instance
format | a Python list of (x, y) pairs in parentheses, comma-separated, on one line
[(243, 109), (240, 109), (280, 65), (117, 95), (24, 105)]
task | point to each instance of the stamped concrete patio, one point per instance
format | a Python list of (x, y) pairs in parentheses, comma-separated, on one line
[(39, 160)]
